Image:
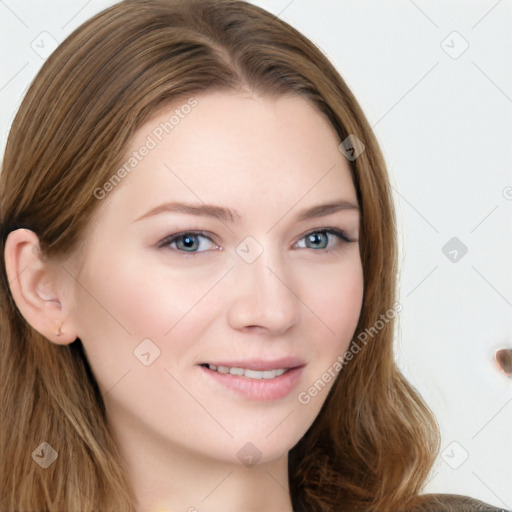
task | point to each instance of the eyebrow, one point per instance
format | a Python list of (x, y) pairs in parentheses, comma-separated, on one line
[(230, 215)]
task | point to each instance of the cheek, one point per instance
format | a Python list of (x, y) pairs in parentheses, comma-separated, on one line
[(143, 298), (336, 299), (122, 303)]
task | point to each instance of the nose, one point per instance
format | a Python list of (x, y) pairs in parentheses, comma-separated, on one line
[(264, 295)]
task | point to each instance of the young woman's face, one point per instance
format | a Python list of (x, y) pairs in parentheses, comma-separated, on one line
[(261, 288)]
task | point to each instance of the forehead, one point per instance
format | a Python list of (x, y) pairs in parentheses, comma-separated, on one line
[(230, 138)]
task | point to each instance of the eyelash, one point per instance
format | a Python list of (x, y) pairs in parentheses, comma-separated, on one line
[(168, 240)]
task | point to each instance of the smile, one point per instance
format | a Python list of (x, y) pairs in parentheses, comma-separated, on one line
[(255, 379), (243, 372)]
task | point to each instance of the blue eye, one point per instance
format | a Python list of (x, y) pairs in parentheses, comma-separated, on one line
[(322, 237), (188, 242), (185, 242)]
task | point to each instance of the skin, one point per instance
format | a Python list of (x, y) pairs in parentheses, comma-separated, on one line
[(178, 430)]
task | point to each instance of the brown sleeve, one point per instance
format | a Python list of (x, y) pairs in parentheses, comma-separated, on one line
[(451, 503)]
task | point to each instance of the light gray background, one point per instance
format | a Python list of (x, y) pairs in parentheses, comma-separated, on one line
[(443, 119)]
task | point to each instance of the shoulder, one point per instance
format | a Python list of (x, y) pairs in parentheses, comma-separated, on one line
[(451, 503)]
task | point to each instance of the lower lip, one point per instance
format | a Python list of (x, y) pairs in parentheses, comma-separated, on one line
[(258, 389)]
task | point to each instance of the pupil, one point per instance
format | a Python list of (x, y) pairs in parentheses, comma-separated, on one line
[(314, 238), (188, 241)]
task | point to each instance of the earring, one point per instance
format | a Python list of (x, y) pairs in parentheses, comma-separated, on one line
[(60, 333)]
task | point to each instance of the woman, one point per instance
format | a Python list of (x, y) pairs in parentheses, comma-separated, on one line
[(173, 337)]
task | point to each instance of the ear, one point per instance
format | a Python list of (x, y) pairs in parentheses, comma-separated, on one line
[(37, 287)]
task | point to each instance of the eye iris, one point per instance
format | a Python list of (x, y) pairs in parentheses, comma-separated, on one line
[(187, 239), (314, 237)]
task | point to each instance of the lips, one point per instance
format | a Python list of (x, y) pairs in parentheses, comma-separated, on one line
[(254, 379)]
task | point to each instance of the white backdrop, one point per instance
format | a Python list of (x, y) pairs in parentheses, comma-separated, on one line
[(434, 82)]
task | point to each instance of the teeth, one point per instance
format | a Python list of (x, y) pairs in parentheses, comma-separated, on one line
[(251, 374)]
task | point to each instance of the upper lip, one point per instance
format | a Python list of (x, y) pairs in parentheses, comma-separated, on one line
[(261, 364)]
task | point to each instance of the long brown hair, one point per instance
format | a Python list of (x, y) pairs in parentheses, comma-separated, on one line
[(374, 441)]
